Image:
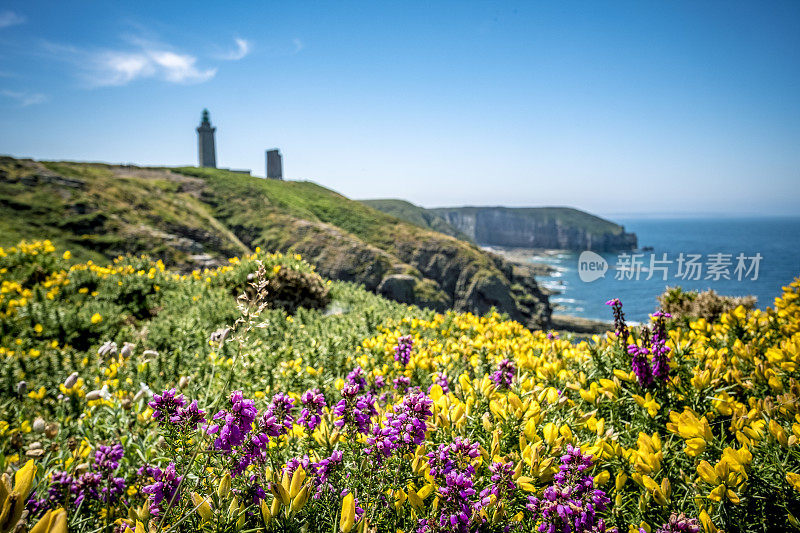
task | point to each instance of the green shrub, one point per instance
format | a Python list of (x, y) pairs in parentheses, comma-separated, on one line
[(691, 305)]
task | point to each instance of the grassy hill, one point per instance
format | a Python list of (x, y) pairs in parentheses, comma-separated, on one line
[(191, 217), (416, 215)]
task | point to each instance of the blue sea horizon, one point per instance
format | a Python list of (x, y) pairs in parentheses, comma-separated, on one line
[(718, 242)]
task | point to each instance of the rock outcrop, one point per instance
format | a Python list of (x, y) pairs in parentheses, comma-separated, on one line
[(398, 287)]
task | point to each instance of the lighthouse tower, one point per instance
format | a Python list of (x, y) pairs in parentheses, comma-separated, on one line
[(206, 150)]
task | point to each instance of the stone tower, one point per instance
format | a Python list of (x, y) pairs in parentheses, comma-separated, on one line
[(274, 164), (206, 150)]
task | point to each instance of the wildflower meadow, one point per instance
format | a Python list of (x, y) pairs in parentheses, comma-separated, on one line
[(137, 399)]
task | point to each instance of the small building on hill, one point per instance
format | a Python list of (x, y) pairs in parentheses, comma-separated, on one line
[(274, 164)]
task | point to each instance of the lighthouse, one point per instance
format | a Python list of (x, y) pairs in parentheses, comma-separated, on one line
[(206, 149)]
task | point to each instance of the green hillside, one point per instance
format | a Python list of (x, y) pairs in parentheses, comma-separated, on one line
[(191, 217), (416, 215)]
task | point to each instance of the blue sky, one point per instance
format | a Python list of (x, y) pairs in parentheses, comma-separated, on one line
[(618, 108)]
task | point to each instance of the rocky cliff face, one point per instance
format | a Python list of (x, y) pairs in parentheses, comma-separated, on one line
[(555, 228), (426, 269)]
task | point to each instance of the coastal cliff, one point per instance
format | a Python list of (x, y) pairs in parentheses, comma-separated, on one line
[(543, 227)]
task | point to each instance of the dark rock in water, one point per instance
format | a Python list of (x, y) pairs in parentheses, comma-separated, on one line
[(398, 287), (580, 325)]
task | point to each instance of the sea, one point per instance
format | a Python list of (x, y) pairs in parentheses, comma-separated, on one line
[(733, 256)]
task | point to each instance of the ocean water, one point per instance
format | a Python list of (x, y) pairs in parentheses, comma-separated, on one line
[(712, 246)]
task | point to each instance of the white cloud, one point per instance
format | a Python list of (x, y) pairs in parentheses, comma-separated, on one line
[(120, 68), (179, 68), (102, 68), (243, 48), (9, 18), (298, 45), (25, 98)]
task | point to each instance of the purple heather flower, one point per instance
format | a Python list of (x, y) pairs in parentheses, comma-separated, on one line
[(442, 381), (294, 462), (353, 412), (189, 417), (165, 406), (571, 502), (279, 415), (357, 377), (401, 383), (503, 377), (37, 506), (323, 470), (253, 492), (382, 442), (659, 347), (457, 455), (87, 485), (106, 458), (403, 429), (620, 327), (113, 490), (147, 470), (313, 401), (380, 382), (236, 423), (99, 484), (679, 523), (402, 352), (169, 408), (164, 491), (62, 488), (451, 466), (410, 419), (276, 421), (502, 481), (641, 364), (456, 505), (254, 450)]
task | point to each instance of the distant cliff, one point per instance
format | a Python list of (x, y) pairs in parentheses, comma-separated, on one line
[(562, 228), (538, 227)]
